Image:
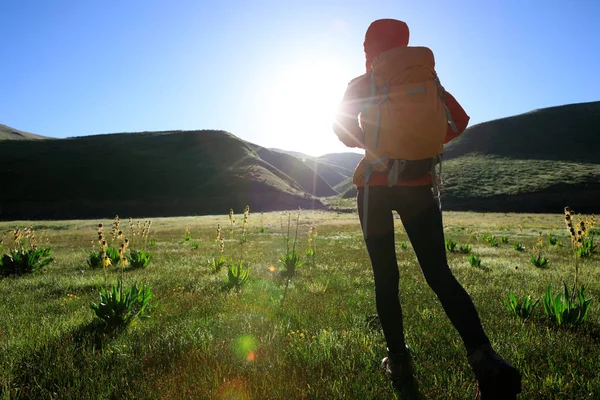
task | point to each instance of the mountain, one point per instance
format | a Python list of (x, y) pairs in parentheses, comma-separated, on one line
[(348, 160), (334, 168), (146, 174), (292, 166), (291, 153), (534, 162), (539, 161), (8, 133), (567, 133)]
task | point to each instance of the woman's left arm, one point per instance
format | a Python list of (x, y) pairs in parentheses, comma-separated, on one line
[(346, 125)]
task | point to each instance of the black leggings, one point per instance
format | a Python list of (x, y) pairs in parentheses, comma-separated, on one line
[(422, 221)]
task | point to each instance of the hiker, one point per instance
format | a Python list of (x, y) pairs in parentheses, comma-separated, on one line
[(401, 115)]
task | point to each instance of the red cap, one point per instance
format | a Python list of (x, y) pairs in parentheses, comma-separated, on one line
[(384, 35)]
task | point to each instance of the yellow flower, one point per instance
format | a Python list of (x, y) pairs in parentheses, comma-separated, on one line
[(107, 262), (302, 335)]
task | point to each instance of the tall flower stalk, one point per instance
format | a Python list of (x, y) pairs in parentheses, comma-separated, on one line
[(578, 232)]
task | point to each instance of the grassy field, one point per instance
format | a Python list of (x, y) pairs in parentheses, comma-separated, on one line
[(204, 342)]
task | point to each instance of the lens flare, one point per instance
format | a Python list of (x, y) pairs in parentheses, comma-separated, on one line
[(244, 347)]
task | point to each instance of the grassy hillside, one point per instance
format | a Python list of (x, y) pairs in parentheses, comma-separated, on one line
[(534, 162), (302, 173), (8, 133), (332, 174), (291, 153), (334, 168), (141, 174), (566, 133), (348, 161)]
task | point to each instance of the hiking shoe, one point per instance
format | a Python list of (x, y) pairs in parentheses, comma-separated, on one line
[(496, 378), (399, 368)]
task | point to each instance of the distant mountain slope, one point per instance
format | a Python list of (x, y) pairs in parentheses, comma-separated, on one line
[(332, 174), (141, 174), (334, 168), (306, 177), (347, 160), (534, 162), (8, 133), (569, 133), (291, 153)]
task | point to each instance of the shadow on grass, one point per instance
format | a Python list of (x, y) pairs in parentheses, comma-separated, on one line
[(67, 366), (57, 292), (587, 329)]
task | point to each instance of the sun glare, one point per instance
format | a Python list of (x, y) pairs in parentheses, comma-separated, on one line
[(302, 105)]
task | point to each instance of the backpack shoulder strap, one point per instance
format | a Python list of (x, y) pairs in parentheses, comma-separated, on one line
[(442, 93)]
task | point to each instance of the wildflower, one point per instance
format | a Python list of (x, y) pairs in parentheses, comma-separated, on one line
[(115, 228), (245, 221), (218, 233)]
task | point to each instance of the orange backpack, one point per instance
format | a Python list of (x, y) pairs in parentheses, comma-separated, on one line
[(406, 118)]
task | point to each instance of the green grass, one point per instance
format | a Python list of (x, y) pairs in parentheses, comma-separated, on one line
[(203, 342)]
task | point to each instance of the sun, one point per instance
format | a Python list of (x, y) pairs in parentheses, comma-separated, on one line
[(302, 104)]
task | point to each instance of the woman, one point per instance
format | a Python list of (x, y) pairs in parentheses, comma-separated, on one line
[(412, 197)]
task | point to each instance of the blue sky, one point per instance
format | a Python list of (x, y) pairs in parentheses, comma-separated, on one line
[(272, 72)]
